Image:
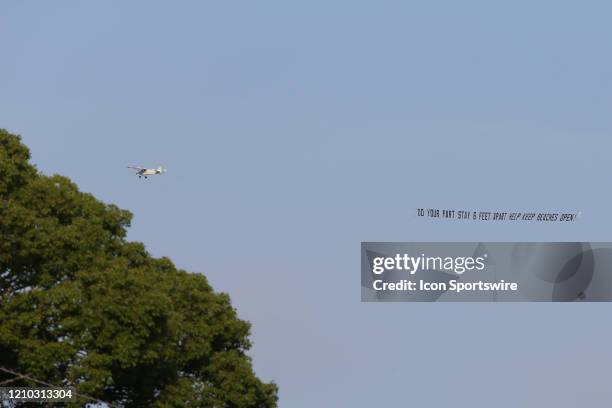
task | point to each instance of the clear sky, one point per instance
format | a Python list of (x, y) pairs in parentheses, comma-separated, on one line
[(293, 131)]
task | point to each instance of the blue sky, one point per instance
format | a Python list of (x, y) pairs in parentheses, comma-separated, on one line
[(294, 131)]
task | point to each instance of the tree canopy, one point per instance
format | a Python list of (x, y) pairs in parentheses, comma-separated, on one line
[(80, 305)]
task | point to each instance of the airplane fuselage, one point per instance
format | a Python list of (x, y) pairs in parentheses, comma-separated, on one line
[(145, 172), (149, 172)]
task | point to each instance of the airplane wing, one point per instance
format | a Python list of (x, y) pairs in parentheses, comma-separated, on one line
[(135, 168)]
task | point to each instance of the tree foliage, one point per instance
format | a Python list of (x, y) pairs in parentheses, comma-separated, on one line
[(82, 306)]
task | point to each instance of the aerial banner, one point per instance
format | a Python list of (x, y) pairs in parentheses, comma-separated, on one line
[(516, 216), (486, 271)]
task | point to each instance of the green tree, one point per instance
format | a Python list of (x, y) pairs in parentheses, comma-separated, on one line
[(82, 306)]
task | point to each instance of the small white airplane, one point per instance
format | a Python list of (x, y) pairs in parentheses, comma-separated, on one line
[(145, 172)]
